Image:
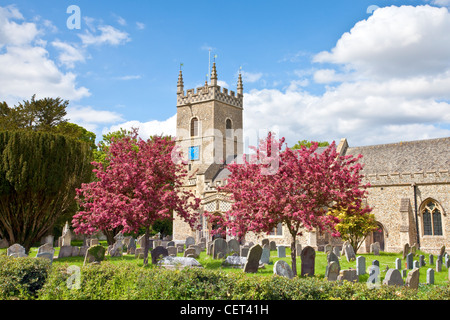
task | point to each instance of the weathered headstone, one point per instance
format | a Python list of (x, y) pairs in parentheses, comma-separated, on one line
[(264, 242), (375, 248), (409, 261), (94, 254), (298, 248), (65, 251), (416, 264), (332, 271), (45, 255), (376, 263), (350, 253), (405, 250), (253, 258), (430, 276), (189, 241), (360, 265), (332, 257), (131, 247), (180, 247), (283, 269), (48, 247), (393, 278), (158, 253), (139, 253), (172, 251), (412, 279), (413, 249), (442, 251), (234, 261), (348, 274), (308, 257), (398, 264), (327, 248), (336, 251), (431, 259), (233, 246), (66, 238), (244, 251), (197, 249), (190, 252), (272, 246), (439, 264), (422, 260), (219, 246), (281, 251), (17, 250), (265, 256)]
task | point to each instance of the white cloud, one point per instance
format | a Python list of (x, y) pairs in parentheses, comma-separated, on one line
[(121, 21), (149, 128), (445, 3), (390, 83), (251, 77), (13, 33), (140, 25), (108, 35), (69, 54), (129, 77)]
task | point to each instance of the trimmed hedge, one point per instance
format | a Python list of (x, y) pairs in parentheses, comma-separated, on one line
[(22, 277), (130, 282)]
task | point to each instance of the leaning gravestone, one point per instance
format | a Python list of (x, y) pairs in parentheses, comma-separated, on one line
[(253, 258), (308, 257), (412, 279), (332, 271), (350, 253), (405, 250), (393, 278), (16, 250), (94, 254), (283, 269), (158, 253), (219, 246), (442, 251)]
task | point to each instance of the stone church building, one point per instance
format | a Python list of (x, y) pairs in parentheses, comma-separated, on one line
[(410, 181)]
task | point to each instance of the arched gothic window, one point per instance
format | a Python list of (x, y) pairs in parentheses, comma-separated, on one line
[(194, 127), (431, 218), (228, 128)]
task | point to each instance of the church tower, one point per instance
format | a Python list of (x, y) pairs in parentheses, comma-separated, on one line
[(209, 123)]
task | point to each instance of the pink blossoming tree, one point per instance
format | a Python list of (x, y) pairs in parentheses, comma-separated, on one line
[(140, 186), (294, 187)]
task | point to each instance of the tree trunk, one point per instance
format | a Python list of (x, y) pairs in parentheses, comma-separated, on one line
[(294, 256), (146, 245)]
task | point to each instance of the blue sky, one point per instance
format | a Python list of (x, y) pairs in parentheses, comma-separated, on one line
[(316, 70)]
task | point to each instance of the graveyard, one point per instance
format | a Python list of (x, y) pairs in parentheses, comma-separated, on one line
[(412, 275)]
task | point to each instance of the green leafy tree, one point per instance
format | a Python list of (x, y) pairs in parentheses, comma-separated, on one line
[(308, 144), (39, 174), (354, 225)]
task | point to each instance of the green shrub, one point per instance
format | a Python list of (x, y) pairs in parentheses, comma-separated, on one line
[(124, 281), (22, 277)]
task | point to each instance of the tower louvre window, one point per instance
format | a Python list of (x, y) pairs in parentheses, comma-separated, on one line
[(228, 128), (194, 127)]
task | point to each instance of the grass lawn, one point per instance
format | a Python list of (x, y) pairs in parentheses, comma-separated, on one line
[(385, 259)]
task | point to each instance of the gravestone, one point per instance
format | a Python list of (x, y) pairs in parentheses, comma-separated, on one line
[(393, 278), (244, 251), (349, 253), (179, 262), (48, 247), (409, 261), (272, 246), (139, 253), (298, 248), (233, 246), (412, 279), (336, 251), (439, 264), (375, 248), (66, 238), (65, 251), (413, 249), (93, 242), (398, 264), (197, 249), (332, 271), (158, 253), (180, 247), (172, 250), (331, 257), (219, 246), (170, 244), (416, 264), (264, 242), (308, 257), (283, 269), (17, 250), (281, 251), (405, 250), (422, 260), (265, 256), (327, 248), (45, 255), (344, 245), (430, 276), (235, 261), (376, 263), (348, 274), (131, 248), (253, 258), (360, 265), (94, 254), (431, 259), (190, 241), (191, 252), (442, 251)]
